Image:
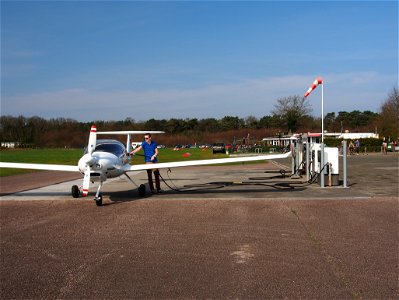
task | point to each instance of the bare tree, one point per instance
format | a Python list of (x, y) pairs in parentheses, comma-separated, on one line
[(291, 109), (389, 115)]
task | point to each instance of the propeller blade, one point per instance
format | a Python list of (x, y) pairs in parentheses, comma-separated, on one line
[(90, 149), (92, 139), (86, 182)]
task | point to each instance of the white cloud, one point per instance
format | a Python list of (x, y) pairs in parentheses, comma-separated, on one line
[(342, 92)]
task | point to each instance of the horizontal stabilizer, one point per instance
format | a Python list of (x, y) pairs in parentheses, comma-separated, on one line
[(204, 162), (39, 167)]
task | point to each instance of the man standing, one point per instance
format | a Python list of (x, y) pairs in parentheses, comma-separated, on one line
[(384, 146), (150, 157), (357, 146)]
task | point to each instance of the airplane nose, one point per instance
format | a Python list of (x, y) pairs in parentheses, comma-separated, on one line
[(86, 161), (90, 160)]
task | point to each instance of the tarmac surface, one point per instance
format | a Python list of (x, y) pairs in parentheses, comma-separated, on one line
[(238, 232)]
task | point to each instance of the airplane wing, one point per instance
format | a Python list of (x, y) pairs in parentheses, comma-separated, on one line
[(128, 168), (49, 167), (217, 161), (128, 132)]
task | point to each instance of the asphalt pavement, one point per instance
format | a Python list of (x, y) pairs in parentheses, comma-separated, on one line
[(242, 232)]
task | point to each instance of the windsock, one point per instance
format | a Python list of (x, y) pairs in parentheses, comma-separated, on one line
[(314, 85)]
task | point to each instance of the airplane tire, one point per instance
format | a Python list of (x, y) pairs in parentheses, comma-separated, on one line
[(99, 200), (142, 190), (75, 191)]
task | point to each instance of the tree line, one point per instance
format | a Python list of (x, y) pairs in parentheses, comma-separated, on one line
[(290, 114), (61, 132)]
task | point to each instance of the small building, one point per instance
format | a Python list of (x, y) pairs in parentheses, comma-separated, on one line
[(357, 135), (286, 140), (280, 141), (10, 144)]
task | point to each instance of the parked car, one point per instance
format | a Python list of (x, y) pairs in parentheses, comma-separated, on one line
[(219, 148), (230, 148)]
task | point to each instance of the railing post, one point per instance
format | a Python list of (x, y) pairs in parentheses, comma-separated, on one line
[(344, 156)]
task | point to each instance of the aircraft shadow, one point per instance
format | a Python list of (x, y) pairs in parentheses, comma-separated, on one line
[(216, 188)]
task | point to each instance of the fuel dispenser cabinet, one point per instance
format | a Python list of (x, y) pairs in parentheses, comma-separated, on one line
[(331, 164)]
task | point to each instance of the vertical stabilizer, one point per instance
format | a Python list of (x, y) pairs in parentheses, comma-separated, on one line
[(128, 144)]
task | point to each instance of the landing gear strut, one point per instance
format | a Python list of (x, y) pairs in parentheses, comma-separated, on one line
[(141, 188), (99, 198)]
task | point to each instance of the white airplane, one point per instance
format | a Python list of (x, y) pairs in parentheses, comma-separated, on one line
[(106, 158)]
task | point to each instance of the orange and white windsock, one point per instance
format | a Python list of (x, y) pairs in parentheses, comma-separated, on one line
[(314, 85)]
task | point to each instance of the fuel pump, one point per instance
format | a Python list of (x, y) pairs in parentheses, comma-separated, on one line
[(307, 159), (330, 169)]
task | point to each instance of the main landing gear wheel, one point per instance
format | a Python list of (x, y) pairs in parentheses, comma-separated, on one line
[(142, 190), (75, 191), (99, 200)]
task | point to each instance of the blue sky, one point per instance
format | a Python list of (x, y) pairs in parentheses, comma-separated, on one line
[(100, 60)]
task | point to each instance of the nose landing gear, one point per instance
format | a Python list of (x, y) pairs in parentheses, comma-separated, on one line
[(76, 193), (99, 200)]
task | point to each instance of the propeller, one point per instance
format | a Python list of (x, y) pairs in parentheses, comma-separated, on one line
[(86, 182), (90, 148), (92, 139)]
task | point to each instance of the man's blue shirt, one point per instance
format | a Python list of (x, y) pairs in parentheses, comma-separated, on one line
[(149, 151)]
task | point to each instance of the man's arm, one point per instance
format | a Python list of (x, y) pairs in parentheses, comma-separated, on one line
[(136, 150), (155, 155)]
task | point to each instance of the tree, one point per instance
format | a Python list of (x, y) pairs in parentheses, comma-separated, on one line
[(229, 123), (329, 121), (153, 124), (251, 122), (208, 125), (270, 122), (291, 109), (389, 115), (174, 126), (191, 125)]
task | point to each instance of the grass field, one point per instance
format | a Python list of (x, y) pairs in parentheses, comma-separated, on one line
[(71, 157)]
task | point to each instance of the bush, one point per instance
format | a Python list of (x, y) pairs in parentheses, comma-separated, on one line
[(370, 145)]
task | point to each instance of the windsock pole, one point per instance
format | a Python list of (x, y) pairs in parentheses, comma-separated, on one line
[(317, 82), (322, 112)]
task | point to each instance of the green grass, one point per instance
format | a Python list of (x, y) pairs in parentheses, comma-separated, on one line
[(71, 157), (38, 156), (42, 156)]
